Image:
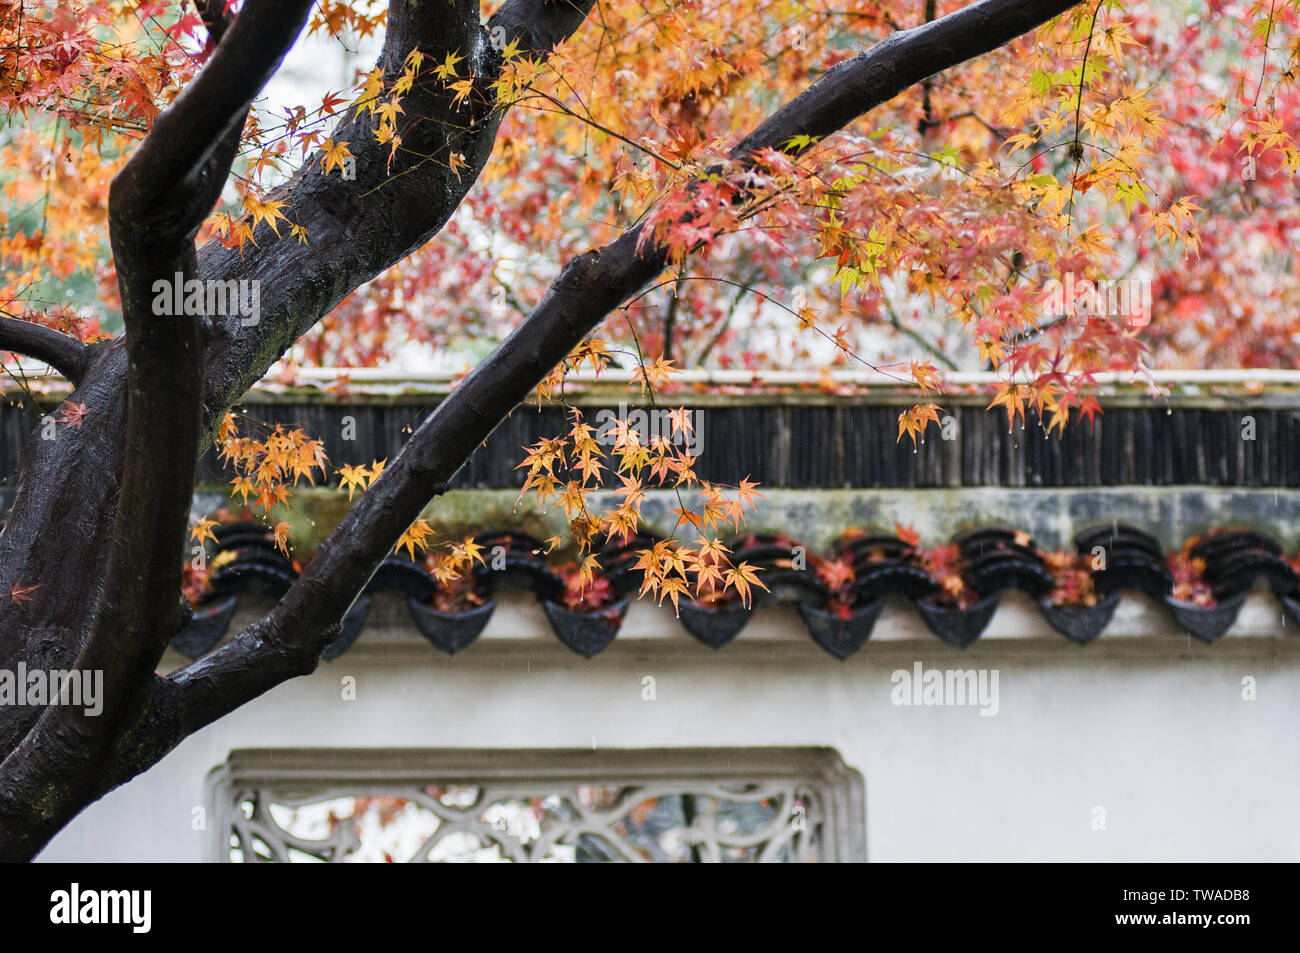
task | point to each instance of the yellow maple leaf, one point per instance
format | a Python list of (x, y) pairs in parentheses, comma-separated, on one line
[(352, 477), (462, 89), (268, 211), (447, 67), (203, 530), (388, 112), (370, 90), (334, 154), (416, 535)]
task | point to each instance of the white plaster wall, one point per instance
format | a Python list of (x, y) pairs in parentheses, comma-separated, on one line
[(1152, 728)]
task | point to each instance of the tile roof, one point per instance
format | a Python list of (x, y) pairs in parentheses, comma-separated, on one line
[(1111, 559)]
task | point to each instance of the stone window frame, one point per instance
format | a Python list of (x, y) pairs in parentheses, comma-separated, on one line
[(327, 772)]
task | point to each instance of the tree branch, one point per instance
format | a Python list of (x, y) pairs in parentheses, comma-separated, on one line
[(65, 354), (171, 180), (903, 59), (358, 228), (214, 16)]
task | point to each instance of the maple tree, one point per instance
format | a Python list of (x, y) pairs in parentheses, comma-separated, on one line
[(871, 184)]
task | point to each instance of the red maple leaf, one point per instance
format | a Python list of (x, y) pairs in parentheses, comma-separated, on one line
[(72, 414), (187, 25), (836, 573)]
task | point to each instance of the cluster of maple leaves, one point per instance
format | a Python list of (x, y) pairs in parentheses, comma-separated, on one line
[(565, 470)]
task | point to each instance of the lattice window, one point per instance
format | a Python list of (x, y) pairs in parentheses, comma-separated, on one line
[(768, 805)]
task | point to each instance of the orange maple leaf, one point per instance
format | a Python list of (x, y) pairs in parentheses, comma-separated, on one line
[(907, 534), (282, 537), (20, 594)]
